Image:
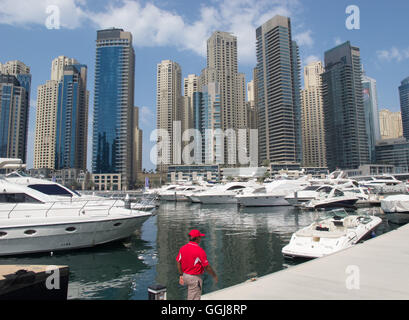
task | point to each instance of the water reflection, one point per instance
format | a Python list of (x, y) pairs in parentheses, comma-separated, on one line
[(241, 243)]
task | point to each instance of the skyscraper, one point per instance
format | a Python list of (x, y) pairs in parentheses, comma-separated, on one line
[(345, 127), (72, 118), (113, 104), (137, 145), (314, 154), (169, 111), (404, 106), (15, 87), (390, 124), (62, 117), (222, 69), (278, 94), (370, 94)]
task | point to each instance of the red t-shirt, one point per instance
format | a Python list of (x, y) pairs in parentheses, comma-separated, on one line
[(192, 258)]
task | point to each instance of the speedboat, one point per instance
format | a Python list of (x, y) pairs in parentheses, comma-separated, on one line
[(224, 194), (331, 197), (334, 231), (395, 204), (44, 217), (271, 194)]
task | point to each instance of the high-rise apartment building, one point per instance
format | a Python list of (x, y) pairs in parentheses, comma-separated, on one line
[(278, 96), (370, 95), (62, 117), (137, 145), (404, 106), (313, 132), (15, 87), (113, 104), (222, 69), (169, 112), (390, 124), (344, 114)]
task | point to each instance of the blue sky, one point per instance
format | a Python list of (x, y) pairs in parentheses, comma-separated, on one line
[(178, 29)]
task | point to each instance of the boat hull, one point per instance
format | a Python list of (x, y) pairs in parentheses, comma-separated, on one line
[(262, 201), (66, 235)]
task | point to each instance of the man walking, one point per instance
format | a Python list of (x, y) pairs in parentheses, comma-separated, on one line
[(192, 263)]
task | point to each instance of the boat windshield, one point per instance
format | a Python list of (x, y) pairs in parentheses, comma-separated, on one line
[(334, 214), (51, 189)]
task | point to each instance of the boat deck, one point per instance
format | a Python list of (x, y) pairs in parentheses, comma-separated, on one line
[(375, 269)]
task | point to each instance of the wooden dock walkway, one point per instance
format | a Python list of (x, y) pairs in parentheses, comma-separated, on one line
[(375, 269)]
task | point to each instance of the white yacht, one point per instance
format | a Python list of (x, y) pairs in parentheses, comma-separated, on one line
[(331, 197), (333, 232), (271, 194), (302, 196), (224, 193), (180, 193), (43, 217), (383, 184)]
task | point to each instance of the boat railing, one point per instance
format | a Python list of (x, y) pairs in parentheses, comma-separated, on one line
[(97, 205)]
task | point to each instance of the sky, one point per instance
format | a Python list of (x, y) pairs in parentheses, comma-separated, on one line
[(178, 29)]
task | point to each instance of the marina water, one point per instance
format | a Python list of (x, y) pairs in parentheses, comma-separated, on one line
[(241, 243)]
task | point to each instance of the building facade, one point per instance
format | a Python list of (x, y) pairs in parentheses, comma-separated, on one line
[(15, 87), (137, 145), (344, 114), (169, 113), (390, 124), (278, 96), (394, 152), (113, 104), (222, 68), (404, 106), (370, 95), (61, 134), (313, 132)]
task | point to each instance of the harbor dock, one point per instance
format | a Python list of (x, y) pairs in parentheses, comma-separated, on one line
[(33, 282), (375, 269)]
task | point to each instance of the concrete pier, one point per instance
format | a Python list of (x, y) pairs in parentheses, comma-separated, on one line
[(375, 269), (29, 282)]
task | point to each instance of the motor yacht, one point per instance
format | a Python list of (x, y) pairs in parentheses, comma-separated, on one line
[(302, 196), (385, 184), (271, 194), (43, 217), (224, 193), (180, 193), (332, 232), (331, 197)]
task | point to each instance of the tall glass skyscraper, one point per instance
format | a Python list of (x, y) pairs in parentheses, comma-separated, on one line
[(113, 104), (404, 106), (371, 114), (278, 82), (72, 118), (15, 86), (344, 115)]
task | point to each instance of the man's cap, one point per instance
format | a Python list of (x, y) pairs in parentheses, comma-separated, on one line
[(195, 234)]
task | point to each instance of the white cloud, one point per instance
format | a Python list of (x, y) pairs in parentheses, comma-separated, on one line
[(337, 41), (304, 38), (23, 12), (146, 115), (393, 54), (310, 59), (154, 26)]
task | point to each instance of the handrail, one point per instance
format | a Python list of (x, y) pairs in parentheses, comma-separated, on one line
[(72, 203)]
